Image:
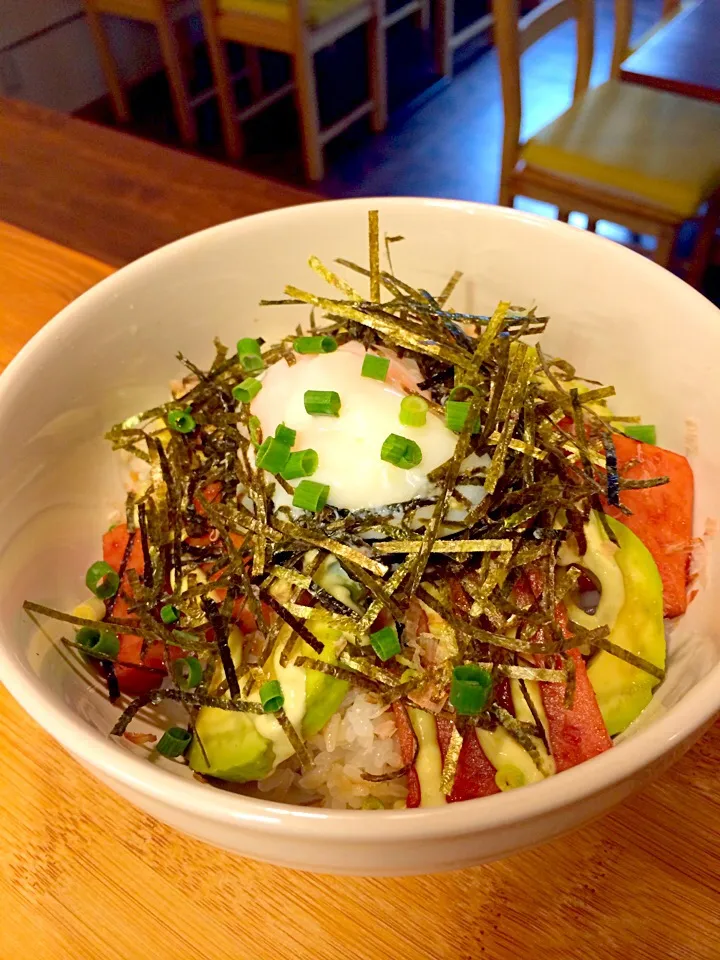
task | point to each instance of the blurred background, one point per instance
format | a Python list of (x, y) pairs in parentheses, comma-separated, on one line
[(362, 97)]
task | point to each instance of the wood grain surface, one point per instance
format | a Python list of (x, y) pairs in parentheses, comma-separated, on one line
[(683, 57), (85, 876), (113, 196)]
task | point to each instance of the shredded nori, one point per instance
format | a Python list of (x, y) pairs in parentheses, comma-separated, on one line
[(207, 520)]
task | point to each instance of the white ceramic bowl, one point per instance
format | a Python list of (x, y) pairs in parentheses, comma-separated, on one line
[(618, 317)]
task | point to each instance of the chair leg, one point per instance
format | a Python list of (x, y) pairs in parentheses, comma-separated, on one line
[(592, 225), (173, 64), (704, 242), (306, 94), (506, 196), (254, 71), (444, 29), (377, 65), (424, 16), (107, 63), (563, 215), (665, 246), (223, 83)]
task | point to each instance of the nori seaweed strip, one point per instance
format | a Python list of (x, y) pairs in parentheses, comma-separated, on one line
[(516, 672), (111, 661), (449, 288), (193, 699), (598, 639), (116, 624), (517, 732), (452, 755), (570, 674), (147, 576), (108, 670), (221, 627), (295, 739), (611, 464), (110, 604), (292, 621), (539, 726), (354, 677), (627, 484)]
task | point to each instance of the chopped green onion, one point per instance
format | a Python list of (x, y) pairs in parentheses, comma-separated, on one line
[(310, 495), (246, 391), (644, 432), (181, 421), (401, 452), (302, 463), (169, 614), (286, 435), (456, 413), (413, 411), (174, 742), (385, 643), (271, 696), (254, 428), (470, 689), (272, 455), (372, 803), (315, 345), (509, 777), (375, 367), (325, 403), (102, 580), (188, 672), (248, 350), (98, 641), (462, 391)]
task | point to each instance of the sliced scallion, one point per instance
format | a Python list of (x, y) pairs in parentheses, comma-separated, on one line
[(302, 463), (401, 452), (325, 403), (413, 411), (310, 495), (102, 580), (315, 345), (174, 742), (374, 367)]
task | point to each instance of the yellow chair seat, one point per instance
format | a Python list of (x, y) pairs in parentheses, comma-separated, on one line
[(319, 11), (659, 147)]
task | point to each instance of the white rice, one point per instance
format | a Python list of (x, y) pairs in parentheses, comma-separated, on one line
[(359, 739)]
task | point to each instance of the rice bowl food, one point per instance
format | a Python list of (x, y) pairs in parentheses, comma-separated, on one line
[(399, 558)]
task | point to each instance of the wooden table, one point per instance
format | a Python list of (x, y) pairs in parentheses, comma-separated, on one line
[(85, 876), (684, 56), (114, 196)]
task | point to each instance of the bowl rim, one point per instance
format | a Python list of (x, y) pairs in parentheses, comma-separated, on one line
[(671, 731)]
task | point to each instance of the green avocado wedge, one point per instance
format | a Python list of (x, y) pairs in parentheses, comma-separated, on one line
[(229, 745), (622, 690), (323, 694), (234, 747)]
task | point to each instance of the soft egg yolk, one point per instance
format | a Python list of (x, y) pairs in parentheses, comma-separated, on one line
[(348, 446)]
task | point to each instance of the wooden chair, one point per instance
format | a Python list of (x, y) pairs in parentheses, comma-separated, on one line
[(164, 15), (624, 15), (448, 40), (300, 28), (642, 158)]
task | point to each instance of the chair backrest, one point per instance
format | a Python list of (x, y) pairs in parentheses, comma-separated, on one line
[(515, 34), (624, 16)]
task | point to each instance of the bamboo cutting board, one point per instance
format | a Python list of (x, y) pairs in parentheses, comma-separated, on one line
[(85, 876)]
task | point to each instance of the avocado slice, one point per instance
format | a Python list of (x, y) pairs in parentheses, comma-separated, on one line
[(632, 606), (234, 747), (323, 694)]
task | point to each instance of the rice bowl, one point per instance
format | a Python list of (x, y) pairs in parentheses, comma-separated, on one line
[(331, 231)]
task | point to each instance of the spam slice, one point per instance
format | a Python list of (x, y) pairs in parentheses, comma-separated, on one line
[(661, 516)]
